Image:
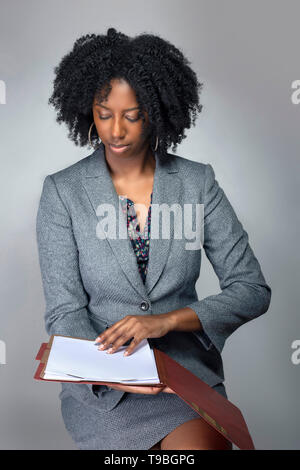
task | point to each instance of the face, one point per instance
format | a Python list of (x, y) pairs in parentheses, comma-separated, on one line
[(117, 120)]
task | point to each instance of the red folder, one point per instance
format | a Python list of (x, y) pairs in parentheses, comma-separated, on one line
[(215, 409)]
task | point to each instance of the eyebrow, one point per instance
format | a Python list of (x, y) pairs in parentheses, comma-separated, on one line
[(128, 109)]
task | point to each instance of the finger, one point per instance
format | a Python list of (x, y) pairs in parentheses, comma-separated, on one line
[(168, 390), (135, 341), (135, 389), (116, 338), (146, 390), (106, 336), (121, 341)]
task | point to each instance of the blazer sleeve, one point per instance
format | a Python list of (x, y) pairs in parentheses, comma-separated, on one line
[(66, 300), (245, 294)]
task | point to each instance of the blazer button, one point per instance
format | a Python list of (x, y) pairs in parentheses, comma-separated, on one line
[(144, 305)]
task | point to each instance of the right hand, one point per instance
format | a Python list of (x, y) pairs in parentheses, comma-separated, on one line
[(136, 389)]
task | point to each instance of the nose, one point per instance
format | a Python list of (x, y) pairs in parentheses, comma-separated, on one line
[(117, 130)]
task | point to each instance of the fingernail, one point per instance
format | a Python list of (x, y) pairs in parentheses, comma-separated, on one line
[(125, 353)]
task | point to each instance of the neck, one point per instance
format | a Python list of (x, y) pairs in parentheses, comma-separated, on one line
[(131, 167)]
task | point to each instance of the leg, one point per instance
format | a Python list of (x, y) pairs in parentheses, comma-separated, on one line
[(156, 446), (195, 434)]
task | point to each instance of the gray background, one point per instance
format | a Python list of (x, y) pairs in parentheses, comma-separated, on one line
[(247, 55)]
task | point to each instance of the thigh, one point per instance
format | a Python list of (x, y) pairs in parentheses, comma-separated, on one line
[(195, 434), (179, 432), (156, 446)]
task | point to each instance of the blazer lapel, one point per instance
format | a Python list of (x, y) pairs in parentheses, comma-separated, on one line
[(167, 189), (100, 190)]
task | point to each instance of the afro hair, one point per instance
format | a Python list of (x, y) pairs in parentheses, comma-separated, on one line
[(165, 85)]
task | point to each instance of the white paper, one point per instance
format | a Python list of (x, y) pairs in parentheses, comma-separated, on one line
[(52, 376), (82, 359)]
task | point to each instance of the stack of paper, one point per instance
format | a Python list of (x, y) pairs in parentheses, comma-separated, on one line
[(79, 359)]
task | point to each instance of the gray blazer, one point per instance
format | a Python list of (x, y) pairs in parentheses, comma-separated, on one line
[(91, 280)]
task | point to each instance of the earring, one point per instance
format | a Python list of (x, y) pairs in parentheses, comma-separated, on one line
[(89, 135), (156, 144)]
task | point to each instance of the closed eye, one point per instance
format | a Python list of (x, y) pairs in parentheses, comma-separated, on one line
[(129, 119)]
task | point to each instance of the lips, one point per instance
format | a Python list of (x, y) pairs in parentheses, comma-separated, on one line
[(118, 149), (118, 146)]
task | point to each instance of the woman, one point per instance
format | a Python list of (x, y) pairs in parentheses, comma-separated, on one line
[(131, 99)]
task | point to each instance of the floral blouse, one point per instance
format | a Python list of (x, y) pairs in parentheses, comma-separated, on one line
[(139, 241)]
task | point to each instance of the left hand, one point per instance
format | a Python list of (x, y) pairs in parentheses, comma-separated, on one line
[(138, 327), (136, 389)]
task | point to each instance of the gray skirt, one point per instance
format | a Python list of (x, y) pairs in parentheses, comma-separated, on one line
[(137, 422)]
